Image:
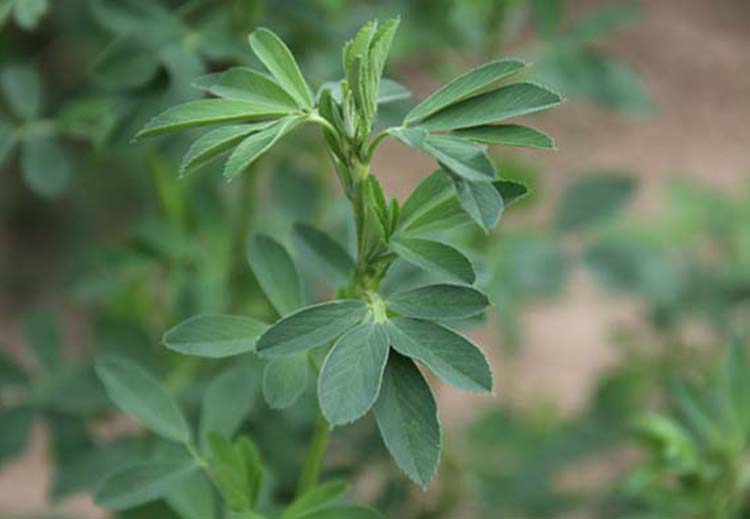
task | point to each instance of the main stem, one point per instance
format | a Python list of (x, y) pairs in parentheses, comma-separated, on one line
[(315, 457)]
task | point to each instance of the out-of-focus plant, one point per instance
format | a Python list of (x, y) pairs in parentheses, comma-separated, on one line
[(697, 461)]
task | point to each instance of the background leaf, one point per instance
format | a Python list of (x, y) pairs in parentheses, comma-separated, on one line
[(276, 273), (593, 199), (285, 379), (215, 336)]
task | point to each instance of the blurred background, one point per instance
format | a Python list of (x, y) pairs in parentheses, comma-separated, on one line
[(621, 286)]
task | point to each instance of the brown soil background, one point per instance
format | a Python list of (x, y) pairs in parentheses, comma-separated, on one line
[(695, 58)]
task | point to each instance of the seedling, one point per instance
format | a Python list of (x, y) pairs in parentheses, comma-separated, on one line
[(377, 338)]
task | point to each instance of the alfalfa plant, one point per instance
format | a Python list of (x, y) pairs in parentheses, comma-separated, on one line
[(364, 345)]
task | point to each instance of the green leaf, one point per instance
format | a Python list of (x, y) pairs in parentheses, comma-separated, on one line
[(452, 357), (141, 396), (276, 273), (429, 192), (7, 140), (214, 335), (279, 60), (192, 497), (448, 214), (15, 431), (310, 327), (323, 252), (481, 201), (285, 379), (228, 399), (46, 167), (245, 84), (406, 415), (390, 91), (127, 62), (463, 86), (508, 135), (594, 199), (351, 374), (141, 483), (462, 157), (28, 13), (437, 302), (343, 512), (214, 143), (510, 191), (435, 256), (256, 144), (315, 499), (207, 111), (22, 88), (42, 331), (509, 101), (237, 470)]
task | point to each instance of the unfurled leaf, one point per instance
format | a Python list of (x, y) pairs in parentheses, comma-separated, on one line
[(279, 60), (245, 84), (141, 483), (192, 497), (325, 253), (508, 135), (208, 111), (311, 326), (214, 336), (351, 374), (45, 165), (256, 144), (228, 399), (390, 91), (315, 499), (22, 88), (432, 190), (141, 396), (451, 356), (285, 379), (28, 13), (406, 415), (435, 256), (276, 273), (593, 199), (462, 157), (216, 142), (464, 86), (480, 200), (436, 302), (237, 471), (509, 101), (510, 191)]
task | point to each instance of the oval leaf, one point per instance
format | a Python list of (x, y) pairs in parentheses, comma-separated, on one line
[(435, 256), (323, 252), (245, 84), (462, 157), (215, 142), (481, 200), (311, 326), (452, 357), (406, 415), (141, 396), (285, 379), (228, 399), (279, 60), (215, 336), (441, 301), (207, 111), (350, 378), (508, 135), (509, 101), (141, 483), (256, 144), (276, 273), (464, 86)]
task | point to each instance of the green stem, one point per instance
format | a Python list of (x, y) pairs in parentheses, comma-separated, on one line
[(315, 456)]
